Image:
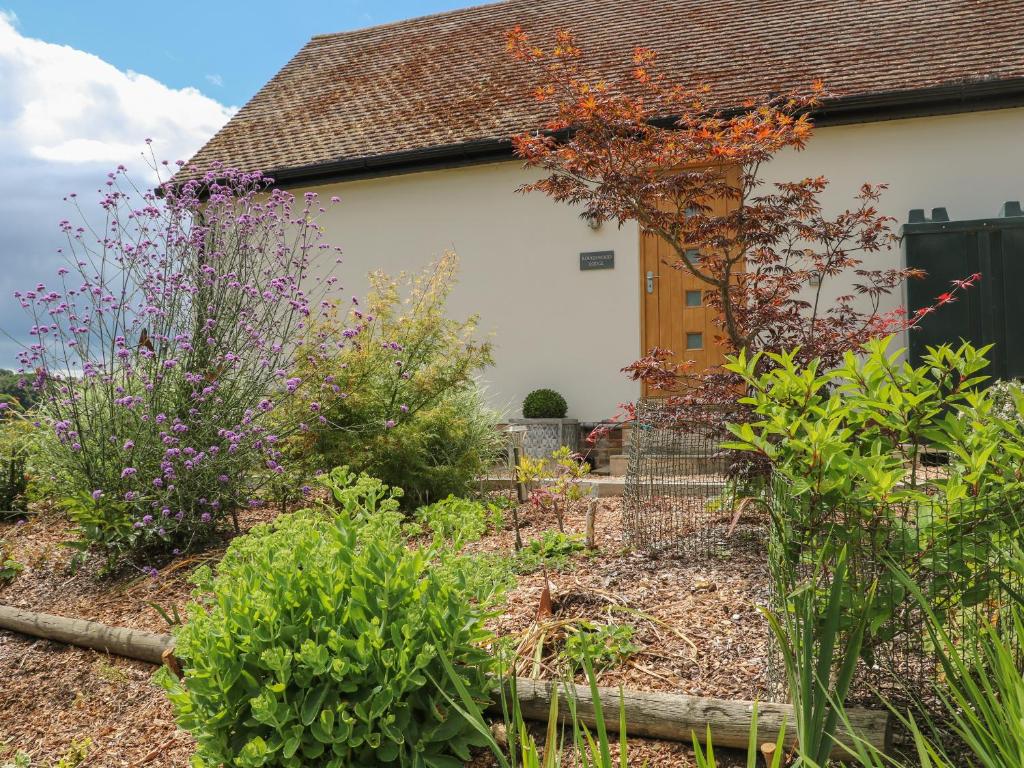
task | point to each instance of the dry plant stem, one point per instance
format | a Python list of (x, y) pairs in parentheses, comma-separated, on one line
[(591, 539)]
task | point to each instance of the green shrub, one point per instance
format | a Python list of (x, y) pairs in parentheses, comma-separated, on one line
[(604, 644), (402, 403), (439, 453), (846, 448), (9, 567), (544, 404), (552, 550), (17, 436), (319, 643), (456, 520)]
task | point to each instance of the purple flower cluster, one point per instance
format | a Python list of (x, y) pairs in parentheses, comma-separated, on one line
[(166, 345)]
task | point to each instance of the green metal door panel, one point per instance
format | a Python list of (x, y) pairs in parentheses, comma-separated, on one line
[(1012, 285), (992, 312), (944, 257)]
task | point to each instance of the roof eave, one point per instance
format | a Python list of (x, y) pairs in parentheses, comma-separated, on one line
[(968, 96)]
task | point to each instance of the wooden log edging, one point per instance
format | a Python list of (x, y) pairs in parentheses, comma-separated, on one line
[(121, 641), (650, 714), (678, 717)]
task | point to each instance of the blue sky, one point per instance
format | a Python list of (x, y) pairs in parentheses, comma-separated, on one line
[(84, 84), (225, 48)]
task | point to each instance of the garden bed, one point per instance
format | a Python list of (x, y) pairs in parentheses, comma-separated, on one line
[(696, 625)]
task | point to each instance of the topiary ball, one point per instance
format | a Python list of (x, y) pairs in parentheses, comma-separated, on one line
[(544, 404)]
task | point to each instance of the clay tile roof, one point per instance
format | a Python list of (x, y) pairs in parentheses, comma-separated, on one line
[(445, 81)]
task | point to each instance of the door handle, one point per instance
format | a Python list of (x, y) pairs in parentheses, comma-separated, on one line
[(650, 282)]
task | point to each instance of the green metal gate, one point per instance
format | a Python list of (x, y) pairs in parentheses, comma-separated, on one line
[(992, 312)]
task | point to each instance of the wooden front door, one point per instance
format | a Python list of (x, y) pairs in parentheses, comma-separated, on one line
[(675, 315)]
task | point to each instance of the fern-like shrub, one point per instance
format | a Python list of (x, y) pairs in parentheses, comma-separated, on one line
[(399, 397)]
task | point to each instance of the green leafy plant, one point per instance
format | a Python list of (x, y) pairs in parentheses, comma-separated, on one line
[(456, 520), (17, 438), (320, 641), (820, 646), (846, 447), (544, 404), (360, 494), (101, 519), (486, 575), (74, 757), (9, 567), (605, 645), (983, 690), (555, 483), (856, 432), (401, 403), (552, 550)]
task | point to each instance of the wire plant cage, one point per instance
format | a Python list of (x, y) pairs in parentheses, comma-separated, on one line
[(960, 553), (682, 495)]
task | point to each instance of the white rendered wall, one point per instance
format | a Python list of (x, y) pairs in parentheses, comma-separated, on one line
[(551, 324), (969, 163), (555, 326)]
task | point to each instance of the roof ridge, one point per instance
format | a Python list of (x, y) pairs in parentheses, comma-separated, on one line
[(412, 20)]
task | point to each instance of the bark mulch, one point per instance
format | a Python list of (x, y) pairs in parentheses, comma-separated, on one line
[(697, 625)]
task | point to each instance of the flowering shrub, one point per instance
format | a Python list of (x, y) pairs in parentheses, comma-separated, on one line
[(164, 346), (397, 397), (320, 643)]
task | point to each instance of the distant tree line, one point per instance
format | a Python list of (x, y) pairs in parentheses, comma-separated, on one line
[(13, 386)]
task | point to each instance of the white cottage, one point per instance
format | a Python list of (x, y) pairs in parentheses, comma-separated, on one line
[(410, 124)]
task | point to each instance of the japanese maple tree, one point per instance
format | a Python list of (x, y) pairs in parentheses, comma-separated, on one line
[(687, 169)]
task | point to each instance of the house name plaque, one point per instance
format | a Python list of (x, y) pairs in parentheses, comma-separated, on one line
[(597, 260)]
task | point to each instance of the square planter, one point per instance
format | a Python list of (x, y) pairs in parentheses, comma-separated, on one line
[(545, 436)]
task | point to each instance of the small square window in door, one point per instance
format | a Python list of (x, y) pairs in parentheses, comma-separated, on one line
[(695, 341), (693, 298)]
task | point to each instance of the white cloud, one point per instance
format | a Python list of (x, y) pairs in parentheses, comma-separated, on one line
[(215, 80), (67, 117)]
